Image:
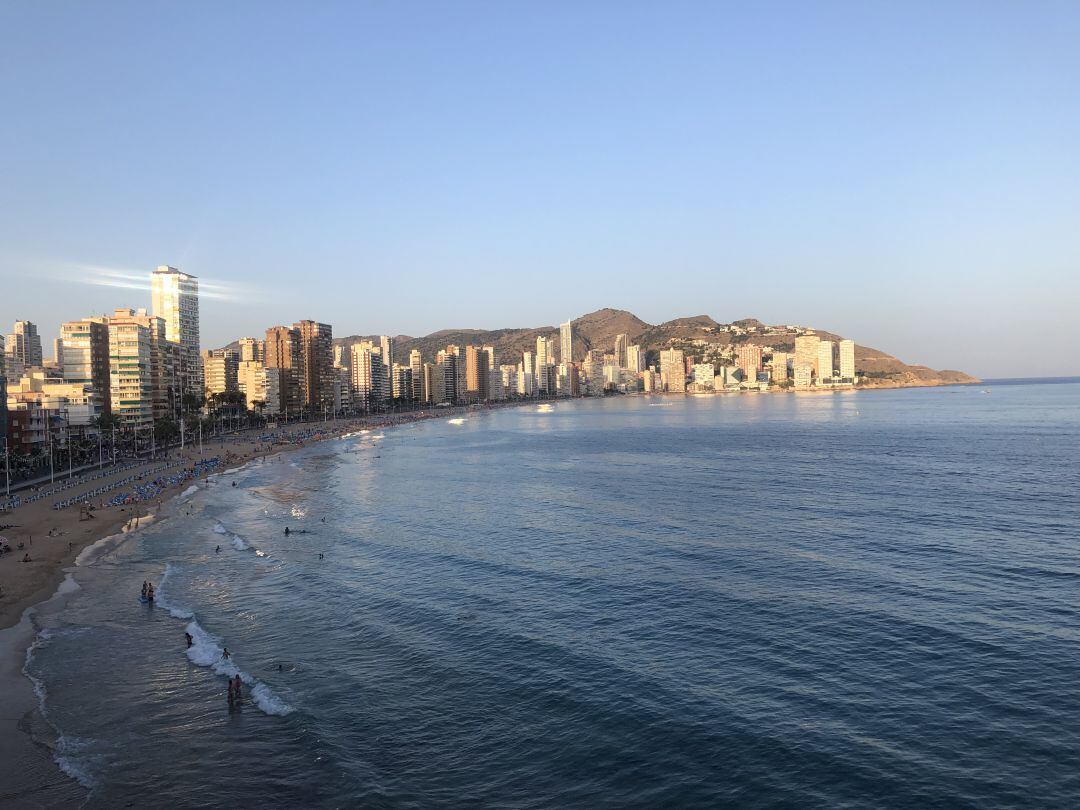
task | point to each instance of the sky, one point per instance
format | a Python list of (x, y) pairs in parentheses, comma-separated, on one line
[(906, 174)]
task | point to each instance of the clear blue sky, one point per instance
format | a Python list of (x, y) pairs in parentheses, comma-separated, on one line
[(904, 173)]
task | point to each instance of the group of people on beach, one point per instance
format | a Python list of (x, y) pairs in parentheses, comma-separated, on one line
[(148, 592)]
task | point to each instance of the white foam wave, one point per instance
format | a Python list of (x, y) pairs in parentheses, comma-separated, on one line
[(457, 421), (64, 745), (92, 551), (187, 493), (176, 611), (239, 543), (220, 529), (206, 651), (299, 512)]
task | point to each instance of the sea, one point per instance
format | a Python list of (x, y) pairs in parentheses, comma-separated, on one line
[(851, 599)]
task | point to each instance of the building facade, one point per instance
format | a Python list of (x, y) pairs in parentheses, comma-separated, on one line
[(175, 299)]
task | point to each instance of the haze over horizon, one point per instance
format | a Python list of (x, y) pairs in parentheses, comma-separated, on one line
[(905, 176)]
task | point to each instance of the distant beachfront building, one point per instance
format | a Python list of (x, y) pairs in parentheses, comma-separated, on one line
[(566, 343), (175, 299), (477, 374), (403, 382), (803, 376), (649, 383), (847, 360), (251, 381), (825, 360), (220, 370), (281, 356), (704, 374), (130, 378), (368, 375), (635, 358), (779, 367), (251, 349), (416, 365), (673, 370), (86, 356), (164, 362), (748, 358), (317, 373), (806, 351), (24, 345), (622, 342)]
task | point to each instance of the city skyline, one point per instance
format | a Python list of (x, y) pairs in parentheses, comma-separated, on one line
[(904, 175)]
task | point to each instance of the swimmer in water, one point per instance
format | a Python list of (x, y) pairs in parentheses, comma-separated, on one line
[(286, 531), (320, 555), (189, 639), (217, 550), (225, 654), (238, 687)]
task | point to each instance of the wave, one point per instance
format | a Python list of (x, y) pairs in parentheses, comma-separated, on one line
[(457, 421), (187, 493), (175, 611), (220, 528), (207, 651), (239, 543), (64, 747)]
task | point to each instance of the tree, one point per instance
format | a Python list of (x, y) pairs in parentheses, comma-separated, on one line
[(165, 430), (107, 422)]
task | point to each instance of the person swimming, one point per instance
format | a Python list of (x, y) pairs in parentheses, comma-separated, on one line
[(225, 654), (238, 687), (286, 531), (217, 550), (190, 640), (320, 555)]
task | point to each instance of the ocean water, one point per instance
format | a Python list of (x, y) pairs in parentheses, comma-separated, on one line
[(845, 600)]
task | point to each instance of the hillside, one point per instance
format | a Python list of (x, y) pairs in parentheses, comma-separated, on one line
[(597, 330)]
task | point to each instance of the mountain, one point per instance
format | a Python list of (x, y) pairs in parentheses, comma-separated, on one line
[(597, 330)]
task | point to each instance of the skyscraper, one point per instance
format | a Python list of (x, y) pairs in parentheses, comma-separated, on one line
[(221, 368), (282, 361), (778, 368), (316, 364), (566, 343), (130, 375), (86, 356), (369, 378), (386, 344), (477, 374), (748, 358), (673, 370), (847, 360), (635, 358), (417, 365), (251, 349), (24, 345), (175, 298), (806, 351), (825, 360), (164, 359), (621, 344)]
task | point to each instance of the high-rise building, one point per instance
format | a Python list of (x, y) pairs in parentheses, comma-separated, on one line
[(221, 370), (369, 378), (566, 343), (622, 342), (282, 353), (748, 359), (778, 368), (802, 375), (806, 351), (847, 360), (446, 389), (825, 360), (544, 359), (477, 374), (130, 371), (164, 361), (316, 365), (24, 345), (403, 383), (251, 350), (427, 384), (594, 372), (58, 353), (416, 364), (635, 358), (251, 381), (386, 344), (3, 392), (175, 298), (673, 370), (86, 356)]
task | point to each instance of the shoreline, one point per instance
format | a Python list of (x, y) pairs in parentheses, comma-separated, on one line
[(30, 774)]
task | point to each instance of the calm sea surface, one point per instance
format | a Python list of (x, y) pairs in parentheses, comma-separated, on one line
[(865, 599)]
